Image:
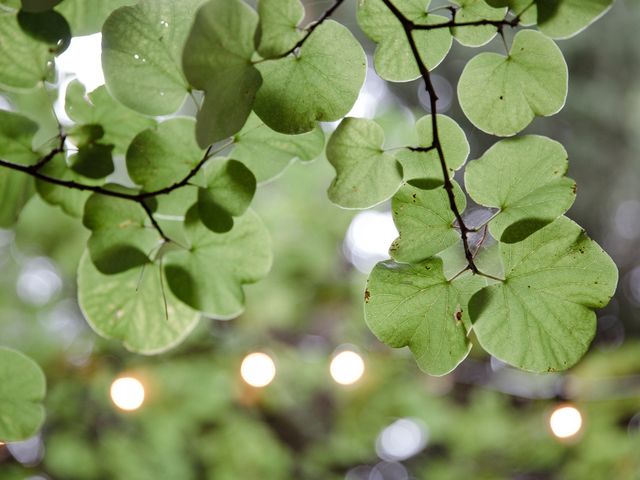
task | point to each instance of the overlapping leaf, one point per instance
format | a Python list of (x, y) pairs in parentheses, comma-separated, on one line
[(134, 307), (278, 28), (426, 165), (22, 390), (209, 275), (161, 156), (502, 95), (120, 238), (473, 11), (425, 222), (524, 178), (394, 60), (85, 17), (365, 174), (322, 81), (229, 187), (217, 58), (416, 306), (267, 152), (541, 317), (119, 123), (141, 50)]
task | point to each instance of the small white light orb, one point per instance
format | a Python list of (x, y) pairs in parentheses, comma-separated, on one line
[(258, 369), (347, 367), (127, 393), (565, 421)]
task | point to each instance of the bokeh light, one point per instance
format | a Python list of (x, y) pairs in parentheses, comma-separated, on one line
[(565, 421), (347, 367), (258, 369), (402, 439), (127, 393), (368, 239)]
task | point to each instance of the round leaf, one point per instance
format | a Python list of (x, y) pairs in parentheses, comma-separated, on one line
[(322, 81), (472, 11), (22, 389), (278, 29), (502, 95), (210, 275), (416, 306), (141, 50), (365, 174), (524, 178), (133, 307), (425, 222), (541, 317), (394, 60), (217, 58)]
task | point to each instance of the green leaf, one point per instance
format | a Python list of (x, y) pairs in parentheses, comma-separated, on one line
[(119, 123), (217, 58), (16, 188), (426, 165), (16, 138), (39, 5), (425, 222), (278, 28), (141, 50), (163, 155), (48, 27), (71, 201), (322, 81), (230, 187), (24, 61), (394, 60), (541, 317), (472, 11), (365, 174), (85, 17), (133, 307), (502, 95), (267, 153), (416, 306), (525, 9), (120, 238), (22, 390), (210, 275), (93, 160), (524, 178)]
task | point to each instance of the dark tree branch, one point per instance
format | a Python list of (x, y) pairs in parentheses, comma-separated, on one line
[(409, 26)]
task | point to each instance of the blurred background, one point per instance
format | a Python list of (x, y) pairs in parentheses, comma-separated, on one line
[(297, 387)]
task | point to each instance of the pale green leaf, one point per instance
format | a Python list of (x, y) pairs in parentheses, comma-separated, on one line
[(278, 28), (394, 59), (16, 189), (426, 165), (22, 390), (541, 317), (120, 237), (472, 11), (87, 17), (71, 201), (322, 81), (267, 152), (134, 307), (425, 222), (217, 58), (525, 9), (524, 178), (164, 155), (502, 95), (230, 187), (141, 54), (365, 174), (416, 306), (210, 275), (24, 61), (119, 123)]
